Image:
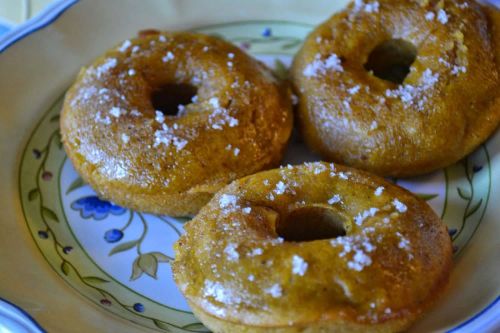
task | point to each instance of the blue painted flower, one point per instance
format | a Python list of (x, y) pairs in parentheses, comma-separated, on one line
[(139, 307), (113, 235), (93, 207), (267, 32)]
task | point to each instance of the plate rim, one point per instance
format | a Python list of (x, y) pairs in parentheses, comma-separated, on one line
[(52, 12)]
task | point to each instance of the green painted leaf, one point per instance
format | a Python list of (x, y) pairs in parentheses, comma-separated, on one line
[(280, 70), (463, 194), (55, 118), (163, 325), (65, 267), (183, 219), (291, 44), (59, 140), (196, 327), (148, 264), (33, 194), (136, 270), (474, 208), (49, 214), (77, 183), (94, 280), (160, 257), (426, 196), (123, 247)]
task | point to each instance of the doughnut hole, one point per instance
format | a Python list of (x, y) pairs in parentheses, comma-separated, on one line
[(171, 99), (311, 223), (391, 60)]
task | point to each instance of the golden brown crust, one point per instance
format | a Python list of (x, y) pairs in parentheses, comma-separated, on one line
[(447, 105), (239, 275), (239, 124)]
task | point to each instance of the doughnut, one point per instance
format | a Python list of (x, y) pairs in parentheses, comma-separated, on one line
[(312, 248), (161, 122), (400, 88)]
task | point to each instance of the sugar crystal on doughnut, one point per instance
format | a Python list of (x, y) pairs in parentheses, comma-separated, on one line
[(105, 67), (125, 45), (103, 120), (404, 243), (231, 253), (125, 138), (220, 293), (335, 199), (442, 16), (299, 265), (275, 291), (159, 117), (116, 112), (256, 252), (319, 66), (361, 217), (400, 207), (228, 200), (379, 190), (169, 56)]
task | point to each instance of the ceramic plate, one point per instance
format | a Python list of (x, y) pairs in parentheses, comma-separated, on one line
[(77, 263)]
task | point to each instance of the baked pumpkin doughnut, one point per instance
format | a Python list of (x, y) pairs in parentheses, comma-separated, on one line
[(399, 87), (222, 116), (312, 248)]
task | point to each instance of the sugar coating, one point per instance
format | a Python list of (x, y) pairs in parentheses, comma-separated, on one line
[(125, 45), (169, 56), (256, 252), (125, 138), (299, 265), (409, 94), (219, 293), (227, 201), (220, 117), (335, 199), (115, 112), (231, 253), (361, 217), (359, 6), (400, 207), (275, 291), (159, 117), (167, 137), (103, 120), (379, 190), (318, 66), (106, 67), (280, 188), (359, 246), (442, 16), (354, 90)]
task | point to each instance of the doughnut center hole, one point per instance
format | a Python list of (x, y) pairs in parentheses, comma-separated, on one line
[(170, 99), (391, 60), (311, 223)]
